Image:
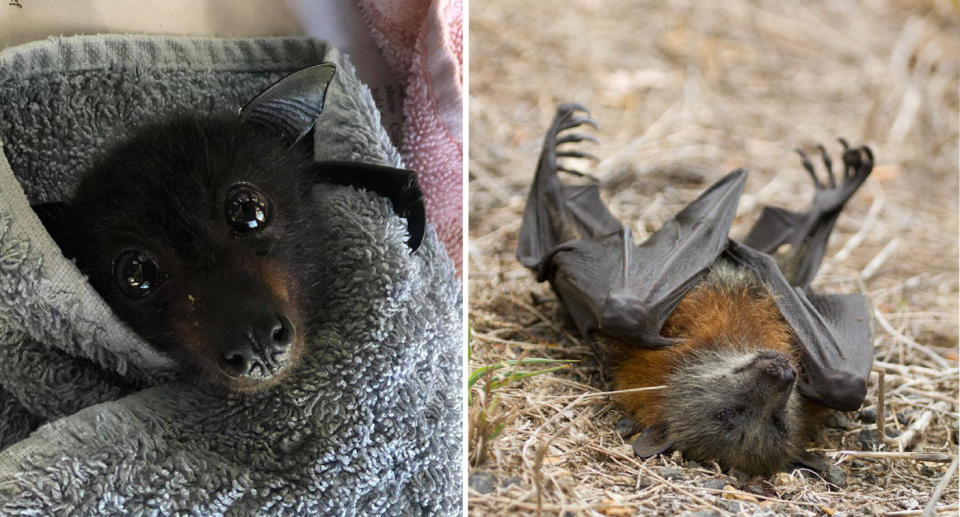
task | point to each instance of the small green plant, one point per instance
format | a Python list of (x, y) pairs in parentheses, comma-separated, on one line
[(487, 420)]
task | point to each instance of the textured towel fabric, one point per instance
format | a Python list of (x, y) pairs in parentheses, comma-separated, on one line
[(422, 40), (370, 422)]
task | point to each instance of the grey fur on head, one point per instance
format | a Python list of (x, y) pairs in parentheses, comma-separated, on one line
[(723, 406)]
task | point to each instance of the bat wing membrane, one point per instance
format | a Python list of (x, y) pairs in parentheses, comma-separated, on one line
[(604, 279), (835, 332)]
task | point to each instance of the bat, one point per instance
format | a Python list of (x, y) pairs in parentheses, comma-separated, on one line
[(198, 232), (750, 356)]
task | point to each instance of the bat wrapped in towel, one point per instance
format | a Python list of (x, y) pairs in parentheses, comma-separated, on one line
[(198, 231), (751, 358)]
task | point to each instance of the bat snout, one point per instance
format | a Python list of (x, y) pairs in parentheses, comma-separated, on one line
[(776, 369), (261, 349)]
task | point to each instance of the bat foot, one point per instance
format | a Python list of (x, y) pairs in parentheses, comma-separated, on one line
[(569, 115), (857, 165)]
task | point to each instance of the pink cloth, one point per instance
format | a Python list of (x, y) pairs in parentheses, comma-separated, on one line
[(422, 41)]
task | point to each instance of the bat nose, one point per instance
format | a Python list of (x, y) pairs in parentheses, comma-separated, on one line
[(262, 348), (777, 368)]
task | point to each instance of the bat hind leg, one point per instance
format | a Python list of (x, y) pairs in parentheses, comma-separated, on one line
[(807, 232), (857, 165)]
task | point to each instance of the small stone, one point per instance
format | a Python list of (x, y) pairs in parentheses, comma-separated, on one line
[(728, 505), (902, 419), (870, 478), (868, 439), (867, 416), (671, 473), (836, 476), (690, 464), (927, 471), (856, 464), (513, 480), (482, 482), (644, 482), (626, 427), (759, 488), (714, 483), (838, 420), (910, 504), (892, 433)]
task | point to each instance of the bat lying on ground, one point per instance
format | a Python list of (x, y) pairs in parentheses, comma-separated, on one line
[(199, 233), (751, 357)]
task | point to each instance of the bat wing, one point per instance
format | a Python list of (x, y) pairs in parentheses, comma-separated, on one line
[(398, 185), (556, 213), (807, 232), (603, 278), (835, 332)]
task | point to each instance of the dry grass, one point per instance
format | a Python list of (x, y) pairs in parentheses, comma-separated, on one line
[(684, 92)]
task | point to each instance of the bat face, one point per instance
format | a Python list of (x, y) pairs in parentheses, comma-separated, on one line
[(194, 233), (736, 406), (731, 382)]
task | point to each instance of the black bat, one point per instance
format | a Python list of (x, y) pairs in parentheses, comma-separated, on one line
[(653, 302), (197, 231)]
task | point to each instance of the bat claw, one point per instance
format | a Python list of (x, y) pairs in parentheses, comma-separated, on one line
[(579, 174), (575, 138), (577, 154), (857, 164), (828, 164), (808, 166), (571, 107), (569, 115), (569, 123)]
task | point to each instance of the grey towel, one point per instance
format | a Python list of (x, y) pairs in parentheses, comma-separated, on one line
[(370, 422)]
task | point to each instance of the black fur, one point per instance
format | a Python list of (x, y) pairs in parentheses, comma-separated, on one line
[(164, 192)]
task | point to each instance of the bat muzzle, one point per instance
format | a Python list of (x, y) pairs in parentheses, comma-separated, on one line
[(776, 369), (261, 350)]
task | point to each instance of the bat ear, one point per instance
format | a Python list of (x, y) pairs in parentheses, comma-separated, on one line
[(63, 225), (652, 441), (289, 107), (398, 185)]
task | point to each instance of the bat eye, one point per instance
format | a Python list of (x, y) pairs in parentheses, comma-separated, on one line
[(136, 273), (247, 209)]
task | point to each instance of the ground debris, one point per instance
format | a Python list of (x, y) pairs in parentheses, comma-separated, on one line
[(708, 87)]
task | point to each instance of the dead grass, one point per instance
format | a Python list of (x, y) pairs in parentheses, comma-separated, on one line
[(684, 92)]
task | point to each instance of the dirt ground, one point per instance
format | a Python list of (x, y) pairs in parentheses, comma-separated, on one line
[(684, 92)]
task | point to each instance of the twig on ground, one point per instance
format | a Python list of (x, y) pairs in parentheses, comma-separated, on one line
[(935, 457), (931, 507), (933, 356), (917, 428)]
